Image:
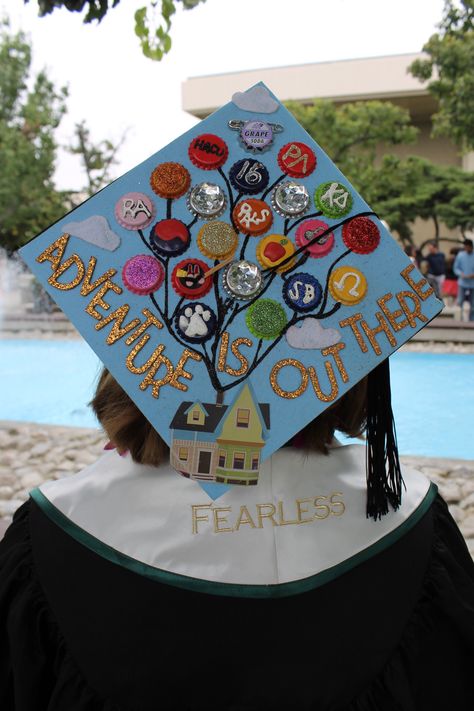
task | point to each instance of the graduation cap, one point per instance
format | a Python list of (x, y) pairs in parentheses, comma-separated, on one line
[(236, 285)]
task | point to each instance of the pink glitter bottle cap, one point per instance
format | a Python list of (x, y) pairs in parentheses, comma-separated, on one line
[(143, 274)]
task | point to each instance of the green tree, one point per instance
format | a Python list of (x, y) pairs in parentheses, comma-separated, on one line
[(390, 190), (459, 211), (351, 133), (28, 119), (449, 70), (97, 159), (152, 21), (402, 190)]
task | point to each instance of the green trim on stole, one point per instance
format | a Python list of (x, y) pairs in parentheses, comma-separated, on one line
[(230, 589)]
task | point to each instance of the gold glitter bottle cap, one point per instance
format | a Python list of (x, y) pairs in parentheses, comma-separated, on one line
[(217, 240)]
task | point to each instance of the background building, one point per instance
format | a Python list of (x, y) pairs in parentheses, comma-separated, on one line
[(381, 78)]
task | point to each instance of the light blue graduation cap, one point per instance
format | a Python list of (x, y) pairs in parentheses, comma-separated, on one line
[(235, 284)]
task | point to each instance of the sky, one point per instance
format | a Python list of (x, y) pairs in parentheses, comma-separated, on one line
[(116, 89)]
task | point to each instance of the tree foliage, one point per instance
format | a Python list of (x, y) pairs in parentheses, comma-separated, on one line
[(449, 70), (97, 158), (31, 108), (459, 211), (351, 133), (401, 190), (152, 21), (28, 119)]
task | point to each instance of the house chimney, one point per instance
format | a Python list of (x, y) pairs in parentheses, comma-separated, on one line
[(219, 398)]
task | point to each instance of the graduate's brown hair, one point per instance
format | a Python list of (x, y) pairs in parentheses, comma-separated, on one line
[(128, 428)]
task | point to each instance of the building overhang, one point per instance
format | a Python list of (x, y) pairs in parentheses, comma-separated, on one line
[(383, 78)]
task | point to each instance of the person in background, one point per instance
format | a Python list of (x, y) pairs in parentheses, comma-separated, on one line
[(464, 268), (450, 286), (410, 251), (424, 269), (436, 267)]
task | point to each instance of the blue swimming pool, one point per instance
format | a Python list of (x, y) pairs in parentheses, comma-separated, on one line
[(51, 382)]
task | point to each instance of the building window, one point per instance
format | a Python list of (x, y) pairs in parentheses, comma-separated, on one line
[(255, 462), (222, 459), (183, 454), (239, 460), (243, 417), (195, 416)]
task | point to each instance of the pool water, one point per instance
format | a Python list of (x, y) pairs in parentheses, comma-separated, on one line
[(51, 382)]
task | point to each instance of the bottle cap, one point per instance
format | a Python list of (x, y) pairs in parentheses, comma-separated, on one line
[(208, 151)]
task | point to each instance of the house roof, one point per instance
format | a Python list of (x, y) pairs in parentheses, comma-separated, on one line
[(215, 415), (265, 410)]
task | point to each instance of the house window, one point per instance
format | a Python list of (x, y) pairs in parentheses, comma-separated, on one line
[(243, 417), (255, 462), (183, 454), (195, 416), (239, 460), (222, 458)]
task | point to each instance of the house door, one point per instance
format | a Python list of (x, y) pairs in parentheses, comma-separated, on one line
[(204, 465)]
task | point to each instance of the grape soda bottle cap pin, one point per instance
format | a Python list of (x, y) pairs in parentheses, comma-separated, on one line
[(256, 136)]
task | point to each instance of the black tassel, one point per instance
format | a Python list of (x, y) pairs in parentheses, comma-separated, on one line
[(384, 476)]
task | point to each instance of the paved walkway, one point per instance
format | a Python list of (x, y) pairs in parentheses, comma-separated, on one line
[(30, 454)]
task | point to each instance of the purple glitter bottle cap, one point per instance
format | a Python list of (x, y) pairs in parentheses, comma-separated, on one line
[(143, 274)]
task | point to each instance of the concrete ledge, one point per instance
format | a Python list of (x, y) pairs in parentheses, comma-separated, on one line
[(449, 321), (40, 322), (443, 334)]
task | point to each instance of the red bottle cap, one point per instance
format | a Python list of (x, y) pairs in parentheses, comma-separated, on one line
[(188, 278), (296, 159), (208, 151)]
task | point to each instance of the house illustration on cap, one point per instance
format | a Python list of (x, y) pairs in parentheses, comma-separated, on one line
[(221, 443)]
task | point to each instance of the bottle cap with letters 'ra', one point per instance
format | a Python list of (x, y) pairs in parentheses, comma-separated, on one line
[(256, 336)]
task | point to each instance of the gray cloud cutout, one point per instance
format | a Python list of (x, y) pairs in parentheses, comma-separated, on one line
[(312, 335), (95, 230), (258, 99)]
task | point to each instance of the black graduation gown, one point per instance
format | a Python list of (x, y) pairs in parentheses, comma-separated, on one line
[(79, 633)]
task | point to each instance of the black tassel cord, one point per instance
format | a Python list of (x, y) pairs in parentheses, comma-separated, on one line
[(384, 476)]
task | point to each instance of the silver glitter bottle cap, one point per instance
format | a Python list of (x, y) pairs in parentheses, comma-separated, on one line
[(290, 199), (242, 280), (206, 200)]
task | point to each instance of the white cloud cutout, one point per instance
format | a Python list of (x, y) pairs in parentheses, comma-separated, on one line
[(312, 335), (258, 99), (95, 230)]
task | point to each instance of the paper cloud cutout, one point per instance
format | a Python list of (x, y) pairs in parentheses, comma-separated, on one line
[(95, 230), (312, 335), (258, 99)]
